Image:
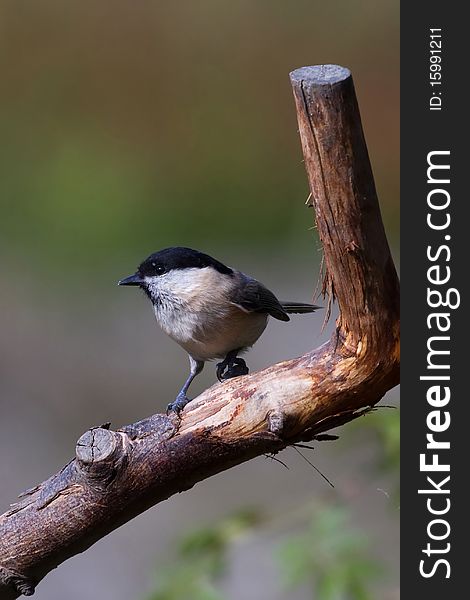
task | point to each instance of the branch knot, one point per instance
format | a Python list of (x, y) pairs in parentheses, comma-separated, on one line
[(100, 455)]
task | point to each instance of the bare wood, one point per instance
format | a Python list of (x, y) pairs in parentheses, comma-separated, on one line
[(118, 474)]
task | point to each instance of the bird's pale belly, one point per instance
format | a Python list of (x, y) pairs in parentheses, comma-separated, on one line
[(220, 334)]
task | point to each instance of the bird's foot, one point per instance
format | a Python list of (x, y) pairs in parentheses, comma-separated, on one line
[(221, 366), (238, 369), (178, 405), (234, 367)]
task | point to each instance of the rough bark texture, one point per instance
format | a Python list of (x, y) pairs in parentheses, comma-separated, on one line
[(118, 474)]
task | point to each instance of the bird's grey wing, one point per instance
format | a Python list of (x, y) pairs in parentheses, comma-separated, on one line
[(253, 296)]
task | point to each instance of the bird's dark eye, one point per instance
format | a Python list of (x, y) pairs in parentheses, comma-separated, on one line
[(158, 269)]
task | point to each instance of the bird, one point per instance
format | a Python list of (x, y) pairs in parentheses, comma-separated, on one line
[(212, 311)]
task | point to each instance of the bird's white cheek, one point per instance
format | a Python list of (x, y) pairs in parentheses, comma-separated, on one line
[(179, 284)]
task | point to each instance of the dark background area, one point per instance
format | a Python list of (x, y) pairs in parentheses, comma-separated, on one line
[(128, 127)]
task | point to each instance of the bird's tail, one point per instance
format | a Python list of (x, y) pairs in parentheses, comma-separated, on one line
[(299, 307)]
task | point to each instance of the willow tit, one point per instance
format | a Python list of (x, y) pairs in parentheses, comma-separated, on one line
[(211, 310)]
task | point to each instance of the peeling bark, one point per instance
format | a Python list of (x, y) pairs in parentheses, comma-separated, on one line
[(116, 475)]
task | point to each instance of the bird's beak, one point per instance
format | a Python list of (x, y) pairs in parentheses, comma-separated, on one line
[(135, 279)]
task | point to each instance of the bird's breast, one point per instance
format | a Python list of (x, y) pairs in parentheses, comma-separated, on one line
[(195, 310), (211, 334)]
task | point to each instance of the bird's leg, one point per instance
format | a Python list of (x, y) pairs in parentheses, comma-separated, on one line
[(231, 366), (181, 400)]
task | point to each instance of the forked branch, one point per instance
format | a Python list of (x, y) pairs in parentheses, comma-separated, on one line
[(119, 474)]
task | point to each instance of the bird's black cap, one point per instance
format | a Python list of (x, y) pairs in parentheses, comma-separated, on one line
[(179, 258), (173, 258)]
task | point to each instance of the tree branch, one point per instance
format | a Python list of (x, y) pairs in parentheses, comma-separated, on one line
[(116, 475)]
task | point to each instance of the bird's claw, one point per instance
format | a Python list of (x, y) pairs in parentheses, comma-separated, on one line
[(178, 405), (238, 369), (231, 368), (220, 370)]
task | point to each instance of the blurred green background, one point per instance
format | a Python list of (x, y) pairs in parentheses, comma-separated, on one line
[(127, 127)]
